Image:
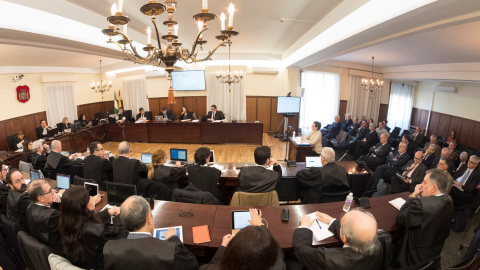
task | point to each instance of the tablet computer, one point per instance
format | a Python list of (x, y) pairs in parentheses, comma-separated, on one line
[(240, 220), (63, 181), (146, 158), (34, 175), (92, 188)]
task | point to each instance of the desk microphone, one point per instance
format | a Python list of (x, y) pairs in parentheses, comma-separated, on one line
[(231, 118)]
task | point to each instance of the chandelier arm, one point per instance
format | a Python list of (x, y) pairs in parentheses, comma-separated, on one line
[(156, 31), (210, 53), (132, 52), (196, 40)]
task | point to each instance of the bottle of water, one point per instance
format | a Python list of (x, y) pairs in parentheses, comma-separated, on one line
[(348, 202), (293, 134)]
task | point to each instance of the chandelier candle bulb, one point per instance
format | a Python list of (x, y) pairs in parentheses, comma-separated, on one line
[(149, 36), (200, 26), (204, 4), (125, 30), (175, 30), (222, 21), (113, 9), (231, 10), (120, 5)]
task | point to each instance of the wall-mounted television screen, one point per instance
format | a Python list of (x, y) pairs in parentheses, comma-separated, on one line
[(191, 80), (288, 105)]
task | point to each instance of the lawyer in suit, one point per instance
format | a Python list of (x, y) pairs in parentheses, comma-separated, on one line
[(43, 215), (443, 154), (352, 129), (393, 165), (65, 125), (362, 130), (358, 233), (4, 188), (42, 130), (366, 138), (141, 115), (462, 163), (315, 137), (426, 217), (213, 114), (142, 251), (348, 121), (186, 115), (167, 114), (452, 154), (170, 176), (312, 182), (413, 172), (378, 153), (97, 167), (58, 163), (411, 145), (260, 178), (334, 128), (465, 185), (433, 141), (443, 165), (39, 155), (429, 155), (418, 135), (125, 169), (17, 200), (203, 177)]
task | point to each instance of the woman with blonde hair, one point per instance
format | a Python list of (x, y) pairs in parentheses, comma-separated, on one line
[(164, 174), (65, 125)]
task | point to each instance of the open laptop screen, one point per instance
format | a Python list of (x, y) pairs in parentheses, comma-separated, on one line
[(63, 181), (313, 162), (146, 158), (34, 175), (117, 193), (178, 154)]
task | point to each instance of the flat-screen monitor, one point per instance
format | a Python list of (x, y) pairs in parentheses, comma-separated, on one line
[(146, 158), (191, 80), (117, 193), (178, 154), (288, 105)]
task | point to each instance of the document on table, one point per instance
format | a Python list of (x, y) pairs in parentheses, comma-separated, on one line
[(319, 229), (299, 142), (397, 203)]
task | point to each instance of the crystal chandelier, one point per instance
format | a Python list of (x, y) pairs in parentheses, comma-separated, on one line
[(172, 51), (372, 84), (229, 77), (101, 86)]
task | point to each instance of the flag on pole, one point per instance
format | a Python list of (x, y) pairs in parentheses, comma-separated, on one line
[(115, 109), (118, 101)]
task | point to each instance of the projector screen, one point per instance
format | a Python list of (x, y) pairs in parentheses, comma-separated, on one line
[(191, 80), (288, 105)]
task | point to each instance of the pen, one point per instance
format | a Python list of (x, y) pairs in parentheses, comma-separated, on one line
[(318, 224)]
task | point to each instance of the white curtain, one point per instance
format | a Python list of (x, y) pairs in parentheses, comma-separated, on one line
[(320, 99), (361, 102), (60, 102), (134, 93), (400, 105), (233, 104)]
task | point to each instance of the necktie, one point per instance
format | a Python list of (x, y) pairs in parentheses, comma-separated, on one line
[(464, 178), (213, 115), (405, 174)]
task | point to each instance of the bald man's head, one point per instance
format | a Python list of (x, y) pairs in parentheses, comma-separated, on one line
[(359, 230)]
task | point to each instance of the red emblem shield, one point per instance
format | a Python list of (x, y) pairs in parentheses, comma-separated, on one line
[(23, 93)]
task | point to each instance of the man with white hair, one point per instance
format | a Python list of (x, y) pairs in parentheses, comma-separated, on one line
[(328, 178), (58, 163), (358, 232), (125, 169), (348, 121), (39, 156), (462, 165), (333, 129), (465, 185), (433, 141)]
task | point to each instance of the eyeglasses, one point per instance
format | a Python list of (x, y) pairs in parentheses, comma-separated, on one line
[(48, 192)]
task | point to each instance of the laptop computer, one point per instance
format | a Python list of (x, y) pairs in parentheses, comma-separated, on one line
[(63, 181), (313, 162), (52, 132), (117, 193), (34, 175), (177, 154), (159, 118), (146, 158), (92, 188)]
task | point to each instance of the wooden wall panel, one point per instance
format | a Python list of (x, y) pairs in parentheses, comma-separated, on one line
[(424, 118), (475, 142), (383, 112), (433, 125), (194, 104), (25, 123), (264, 108), (202, 105), (3, 137), (342, 110), (251, 108), (465, 133), (419, 118), (90, 109), (276, 117), (443, 126), (455, 124)]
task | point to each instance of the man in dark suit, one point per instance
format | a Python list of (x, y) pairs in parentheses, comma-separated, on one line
[(388, 170), (353, 127), (418, 136), (369, 139), (315, 181), (213, 114), (358, 232), (58, 163), (42, 215), (260, 178), (362, 131), (4, 187), (42, 129), (142, 251), (120, 115), (378, 153), (141, 115), (348, 121), (433, 141), (39, 155), (96, 166), (203, 177), (413, 172), (333, 129), (452, 154), (465, 185), (126, 170), (17, 200), (444, 153), (167, 114), (462, 162), (426, 217)]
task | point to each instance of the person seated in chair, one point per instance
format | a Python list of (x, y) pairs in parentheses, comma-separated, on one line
[(466, 185), (452, 154), (333, 130), (42, 130), (141, 115), (315, 138), (395, 162), (120, 116), (170, 176), (348, 121), (385, 125), (17, 142), (65, 125), (378, 153), (352, 129), (381, 129), (4, 187), (203, 177), (125, 169), (43, 215), (167, 114), (97, 167), (445, 154), (58, 163), (358, 232), (260, 178), (18, 199), (141, 250), (39, 155), (433, 141), (429, 155), (418, 136), (82, 119), (186, 115), (369, 139), (413, 172), (213, 114), (328, 178)]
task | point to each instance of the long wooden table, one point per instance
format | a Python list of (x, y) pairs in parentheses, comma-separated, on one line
[(248, 132)]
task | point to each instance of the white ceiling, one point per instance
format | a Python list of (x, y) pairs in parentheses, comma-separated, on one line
[(445, 31)]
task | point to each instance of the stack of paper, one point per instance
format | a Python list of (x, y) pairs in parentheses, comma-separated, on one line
[(397, 203), (319, 229)]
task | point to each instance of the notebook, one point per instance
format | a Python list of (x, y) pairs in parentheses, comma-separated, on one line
[(397, 203), (319, 229), (201, 234)]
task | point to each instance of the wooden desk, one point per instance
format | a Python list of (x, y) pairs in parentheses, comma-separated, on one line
[(247, 132), (299, 152)]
